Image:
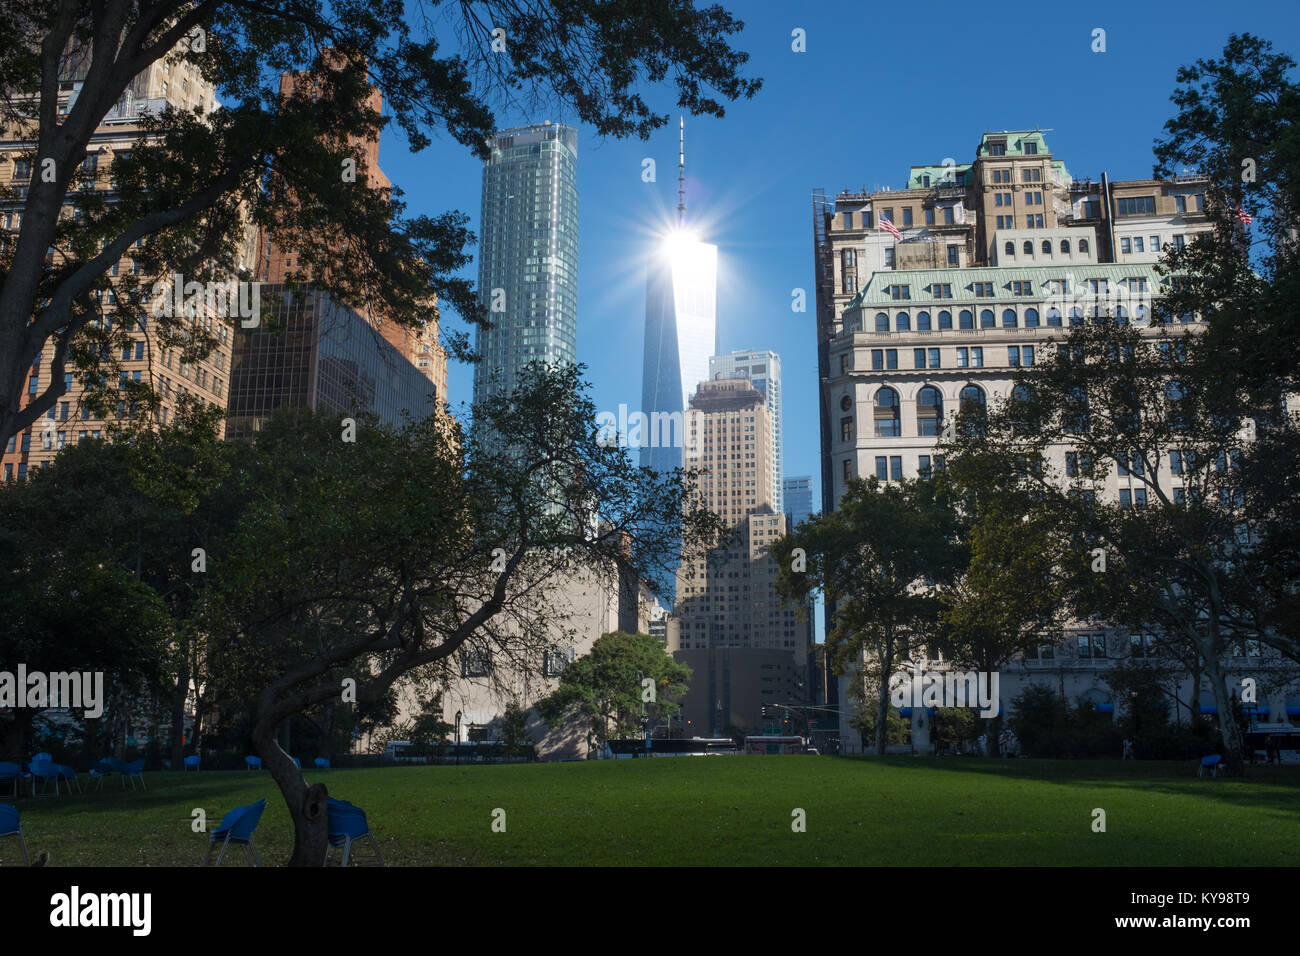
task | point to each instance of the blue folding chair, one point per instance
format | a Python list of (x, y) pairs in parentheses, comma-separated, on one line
[(10, 826), (134, 771), (192, 762), (237, 827), (36, 757), (253, 763), (321, 763), (14, 772), (346, 824), (100, 772), (69, 776), (1210, 766), (296, 762), (45, 771)]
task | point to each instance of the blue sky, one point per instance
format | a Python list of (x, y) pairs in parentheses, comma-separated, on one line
[(881, 87)]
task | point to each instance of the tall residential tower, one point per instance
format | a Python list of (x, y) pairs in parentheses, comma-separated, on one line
[(528, 254)]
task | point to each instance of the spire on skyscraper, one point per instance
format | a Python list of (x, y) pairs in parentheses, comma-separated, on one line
[(681, 171)]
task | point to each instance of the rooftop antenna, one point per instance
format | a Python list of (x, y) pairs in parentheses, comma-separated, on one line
[(681, 172)]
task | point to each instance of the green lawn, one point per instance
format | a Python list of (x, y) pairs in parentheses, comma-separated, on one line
[(718, 810)]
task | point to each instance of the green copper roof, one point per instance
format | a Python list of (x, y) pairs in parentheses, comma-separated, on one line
[(960, 176), (1015, 140)]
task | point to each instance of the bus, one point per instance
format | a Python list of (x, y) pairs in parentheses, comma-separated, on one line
[(775, 745), (401, 751), (629, 748)]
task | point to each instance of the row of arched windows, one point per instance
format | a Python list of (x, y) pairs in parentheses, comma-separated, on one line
[(1009, 248), (1011, 319), (929, 409)]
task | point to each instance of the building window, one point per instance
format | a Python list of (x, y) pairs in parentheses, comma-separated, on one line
[(1092, 645), (846, 428), (891, 359), (929, 215), (954, 255), (882, 468), (1083, 246), (1031, 318), (923, 322), (1009, 319), (918, 357), (945, 321), (963, 357), (1013, 356), (1047, 247), (1125, 245), (896, 467), (1137, 244), (848, 468), (1010, 249), (882, 321), (1155, 243), (889, 258), (1054, 317), (1028, 247), (1125, 498), (929, 409), (966, 319), (923, 466), (1139, 497), (1031, 149), (903, 322), (947, 215), (984, 289), (887, 409), (977, 356), (1065, 247), (1175, 462), (900, 291), (476, 662), (1136, 206), (907, 216), (986, 319), (1022, 288), (877, 360), (934, 358)]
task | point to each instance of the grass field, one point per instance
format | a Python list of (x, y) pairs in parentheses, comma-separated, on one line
[(716, 811)]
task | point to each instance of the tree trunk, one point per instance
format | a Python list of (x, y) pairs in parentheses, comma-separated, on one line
[(1234, 759), (308, 806), (181, 692), (882, 696)]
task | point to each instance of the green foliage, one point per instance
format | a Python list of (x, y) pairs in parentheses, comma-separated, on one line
[(954, 725), (897, 729), (515, 739), (881, 558), (605, 685), (189, 186)]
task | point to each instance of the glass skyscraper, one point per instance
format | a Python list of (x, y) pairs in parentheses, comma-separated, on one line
[(680, 336), (312, 351), (528, 254)]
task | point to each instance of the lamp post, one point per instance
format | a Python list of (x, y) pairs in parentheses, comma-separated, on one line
[(457, 744)]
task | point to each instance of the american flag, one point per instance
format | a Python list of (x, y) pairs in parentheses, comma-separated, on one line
[(1245, 217), (889, 227)]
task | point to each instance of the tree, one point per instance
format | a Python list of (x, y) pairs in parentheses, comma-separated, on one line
[(129, 509), (1114, 394), (605, 685), (1006, 600), (1238, 123), (180, 199), (367, 560), (881, 558)]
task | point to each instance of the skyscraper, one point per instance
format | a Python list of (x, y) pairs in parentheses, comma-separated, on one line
[(798, 498), (763, 369), (528, 254), (729, 624), (680, 333)]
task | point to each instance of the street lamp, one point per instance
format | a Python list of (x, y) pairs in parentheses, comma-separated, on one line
[(457, 744)]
